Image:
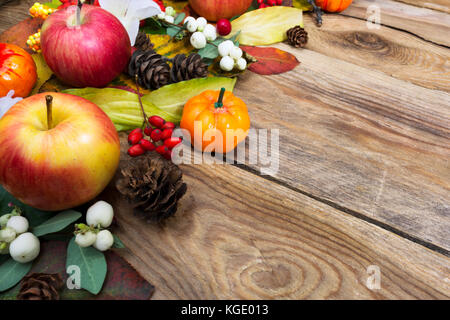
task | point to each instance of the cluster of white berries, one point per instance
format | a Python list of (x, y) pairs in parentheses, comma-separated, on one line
[(23, 246), (168, 16), (99, 216), (231, 56), (201, 31)]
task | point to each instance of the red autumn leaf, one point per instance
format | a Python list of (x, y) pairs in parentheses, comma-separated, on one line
[(122, 281), (19, 33), (270, 60)]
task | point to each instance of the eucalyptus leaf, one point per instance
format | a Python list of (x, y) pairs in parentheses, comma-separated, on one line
[(210, 51), (11, 272), (173, 31), (57, 223), (180, 17), (118, 244), (92, 264)]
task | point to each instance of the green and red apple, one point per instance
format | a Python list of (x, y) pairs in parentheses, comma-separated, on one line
[(61, 166), (213, 10)]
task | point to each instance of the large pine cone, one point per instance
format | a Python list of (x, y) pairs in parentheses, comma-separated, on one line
[(152, 69), (297, 37), (152, 185), (40, 286), (186, 68)]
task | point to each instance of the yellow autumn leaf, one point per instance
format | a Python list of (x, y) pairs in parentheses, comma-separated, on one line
[(43, 72), (266, 26)]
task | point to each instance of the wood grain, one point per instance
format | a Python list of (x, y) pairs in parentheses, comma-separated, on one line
[(238, 236), (359, 139), (398, 54), (440, 5), (14, 12), (428, 24)]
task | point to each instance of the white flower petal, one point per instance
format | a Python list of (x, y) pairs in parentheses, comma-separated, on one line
[(143, 9), (7, 102), (116, 7), (132, 27)]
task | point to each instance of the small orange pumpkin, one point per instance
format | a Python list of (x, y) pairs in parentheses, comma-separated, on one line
[(17, 71), (216, 115), (333, 5)]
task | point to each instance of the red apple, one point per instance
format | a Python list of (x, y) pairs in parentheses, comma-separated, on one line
[(214, 10), (61, 167), (89, 55)]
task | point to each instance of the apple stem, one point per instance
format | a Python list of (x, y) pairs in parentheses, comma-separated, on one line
[(79, 5), (136, 77), (49, 101)]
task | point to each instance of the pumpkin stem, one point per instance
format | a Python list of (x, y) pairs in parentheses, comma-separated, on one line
[(79, 5), (219, 103), (49, 101)]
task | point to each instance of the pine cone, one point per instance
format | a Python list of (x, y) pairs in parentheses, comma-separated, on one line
[(40, 286), (186, 68), (152, 185), (297, 37), (143, 42), (152, 69)]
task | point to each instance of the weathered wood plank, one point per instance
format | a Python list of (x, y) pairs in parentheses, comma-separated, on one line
[(14, 12), (428, 24), (238, 236), (440, 5), (398, 54), (359, 139)]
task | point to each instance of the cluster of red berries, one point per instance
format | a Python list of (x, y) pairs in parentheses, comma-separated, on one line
[(269, 3), (161, 140)]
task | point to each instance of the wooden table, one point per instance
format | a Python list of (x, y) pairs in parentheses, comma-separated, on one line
[(364, 177)]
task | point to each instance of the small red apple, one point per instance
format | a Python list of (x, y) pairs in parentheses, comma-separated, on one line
[(91, 54), (59, 167), (214, 10)]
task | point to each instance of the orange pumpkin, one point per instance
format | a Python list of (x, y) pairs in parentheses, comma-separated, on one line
[(17, 70), (333, 5), (219, 117)]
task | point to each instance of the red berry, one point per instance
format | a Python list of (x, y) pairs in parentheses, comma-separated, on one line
[(166, 134), (172, 142), (134, 138), (156, 135), (157, 121), (147, 145), (168, 155), (279, 2), (262, 6), (260, 1), (162, 150), (272, 2), (223, 27), (148, 131), (168, 125), (136, 150), (135, 131)]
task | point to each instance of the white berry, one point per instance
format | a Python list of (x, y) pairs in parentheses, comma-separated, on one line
[(210, 32), (225, 48), (86, 239), (198, 40), (162, 15), (201, 22), (227, 63), (236, 53), (241, 64), (104, 240), (18, 223), (7, 235), (169, 19), (101, 213), (170, 11), (187, 19), (25, 248), (192, 25)]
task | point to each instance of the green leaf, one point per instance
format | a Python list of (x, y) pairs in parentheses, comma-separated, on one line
[(173, 31), (123, 107), (11, 272), (302, 4), (35, 217), (57, 223), (118, 244), (173, 97), (153, 26), (54, 4), (43, 72), (179, 18), (92, 264), (209, 52), (267, 26)]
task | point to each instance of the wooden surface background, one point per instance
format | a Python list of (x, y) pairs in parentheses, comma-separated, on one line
[(364, 125)]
